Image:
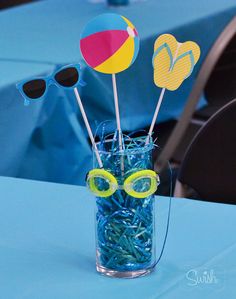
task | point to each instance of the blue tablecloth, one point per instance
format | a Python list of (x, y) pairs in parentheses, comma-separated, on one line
[(47, 247), (47, 140)]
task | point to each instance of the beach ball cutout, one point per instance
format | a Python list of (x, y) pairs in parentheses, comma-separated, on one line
[(109, 43)]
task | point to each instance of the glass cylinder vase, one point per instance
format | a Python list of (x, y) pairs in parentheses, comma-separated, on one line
[(125, 220)]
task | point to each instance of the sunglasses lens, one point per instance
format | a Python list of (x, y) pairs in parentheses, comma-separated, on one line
[(67, 77), (34, 89)]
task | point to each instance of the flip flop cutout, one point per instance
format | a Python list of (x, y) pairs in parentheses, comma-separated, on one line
[(173, 62)]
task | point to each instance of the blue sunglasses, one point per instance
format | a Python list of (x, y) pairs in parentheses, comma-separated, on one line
[(66, 77)]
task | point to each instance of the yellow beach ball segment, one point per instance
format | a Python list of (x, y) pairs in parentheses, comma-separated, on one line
[(103, 184)]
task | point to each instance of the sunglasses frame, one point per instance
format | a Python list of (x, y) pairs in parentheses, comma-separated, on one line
[(50, 80)]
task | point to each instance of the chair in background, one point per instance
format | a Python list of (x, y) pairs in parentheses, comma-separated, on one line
[(209, 164), (10, 3), (215, 67)]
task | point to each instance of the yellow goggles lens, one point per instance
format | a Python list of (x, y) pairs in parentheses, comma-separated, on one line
[(101, 182), (142, 184)]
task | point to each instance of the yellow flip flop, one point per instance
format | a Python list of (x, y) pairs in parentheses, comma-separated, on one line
[(173, 62)]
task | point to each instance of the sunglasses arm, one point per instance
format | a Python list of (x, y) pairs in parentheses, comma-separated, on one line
[(82, 82)]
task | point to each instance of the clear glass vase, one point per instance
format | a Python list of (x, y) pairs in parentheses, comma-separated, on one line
[(125, 220)]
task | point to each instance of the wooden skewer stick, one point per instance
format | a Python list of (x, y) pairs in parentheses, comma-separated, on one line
[(116, 102), (160, 100), (88, 127)]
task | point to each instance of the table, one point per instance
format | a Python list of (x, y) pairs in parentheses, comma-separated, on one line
[(47, 247), (41, 36)]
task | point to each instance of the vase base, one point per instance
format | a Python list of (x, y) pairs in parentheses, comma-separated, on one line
[(123, 274)]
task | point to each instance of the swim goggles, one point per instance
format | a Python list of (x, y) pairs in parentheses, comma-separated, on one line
[(140, 184), (67, 77)]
